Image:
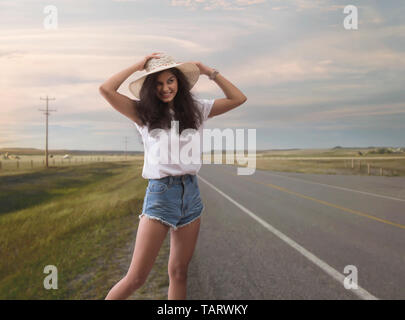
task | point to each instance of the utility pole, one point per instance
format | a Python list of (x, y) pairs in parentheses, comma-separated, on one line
[(126, 141), (47, 114)]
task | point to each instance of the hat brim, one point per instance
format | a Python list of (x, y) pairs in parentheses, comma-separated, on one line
[(190, 70)]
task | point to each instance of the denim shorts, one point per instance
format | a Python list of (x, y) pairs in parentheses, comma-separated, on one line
[(173, 200)]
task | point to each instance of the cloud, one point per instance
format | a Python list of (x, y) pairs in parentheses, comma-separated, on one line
[(208, 5), (92, 40), (318, 5), (356, 116), (249, 2), (293, 59), (323, 56), (71, 63), (279, 8)]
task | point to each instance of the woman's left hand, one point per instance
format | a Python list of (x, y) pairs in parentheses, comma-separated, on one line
[(203, 68)]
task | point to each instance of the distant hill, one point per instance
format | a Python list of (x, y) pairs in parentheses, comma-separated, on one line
[(33, 151)]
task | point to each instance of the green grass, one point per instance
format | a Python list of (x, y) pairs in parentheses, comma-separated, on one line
[(81, 219)]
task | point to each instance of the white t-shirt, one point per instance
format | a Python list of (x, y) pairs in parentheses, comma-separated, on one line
[(169, 154)]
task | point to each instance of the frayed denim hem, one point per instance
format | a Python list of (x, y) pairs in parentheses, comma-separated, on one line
[(156, 218), (168, 224)]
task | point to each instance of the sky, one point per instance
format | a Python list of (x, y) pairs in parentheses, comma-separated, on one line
[(310, 82)]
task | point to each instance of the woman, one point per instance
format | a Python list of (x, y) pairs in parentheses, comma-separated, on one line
[(172, 197)]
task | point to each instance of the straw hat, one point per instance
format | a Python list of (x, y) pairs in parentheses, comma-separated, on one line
[(190, 70)]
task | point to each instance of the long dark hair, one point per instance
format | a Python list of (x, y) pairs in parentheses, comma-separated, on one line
[(154, 113)]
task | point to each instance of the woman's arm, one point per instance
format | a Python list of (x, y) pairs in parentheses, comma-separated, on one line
[(122, 103), (234, 97)]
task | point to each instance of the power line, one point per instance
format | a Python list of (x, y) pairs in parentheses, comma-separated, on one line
[(47, 114)]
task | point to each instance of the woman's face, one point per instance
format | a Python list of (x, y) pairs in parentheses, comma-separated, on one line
[(166, 86)]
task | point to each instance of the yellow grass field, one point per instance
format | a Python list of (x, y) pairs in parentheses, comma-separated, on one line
[(325, 161), (81, 219), (322, 161)]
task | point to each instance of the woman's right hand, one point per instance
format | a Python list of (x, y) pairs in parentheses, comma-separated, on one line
[(147, 58)]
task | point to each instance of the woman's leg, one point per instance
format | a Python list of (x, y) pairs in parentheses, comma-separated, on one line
[(149, 239), (182, 245)]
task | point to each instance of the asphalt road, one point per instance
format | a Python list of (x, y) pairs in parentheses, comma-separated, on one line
[(275, 235)]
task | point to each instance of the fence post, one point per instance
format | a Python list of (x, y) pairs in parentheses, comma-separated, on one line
[(381, 171), (352, 163), (32, 164), (18, 165), (0, 165), (368, 168)]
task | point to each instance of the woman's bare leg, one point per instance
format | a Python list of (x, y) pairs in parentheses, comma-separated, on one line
[(182, 245), (149, 239)]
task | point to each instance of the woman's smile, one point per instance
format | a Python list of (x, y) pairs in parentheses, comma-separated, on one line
[(165, 96)]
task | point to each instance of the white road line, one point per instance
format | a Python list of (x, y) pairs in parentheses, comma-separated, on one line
[(342, 188), (360, 292)]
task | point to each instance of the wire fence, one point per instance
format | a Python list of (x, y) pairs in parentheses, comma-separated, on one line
[(35, 162), (352, 166), (386, 167)]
